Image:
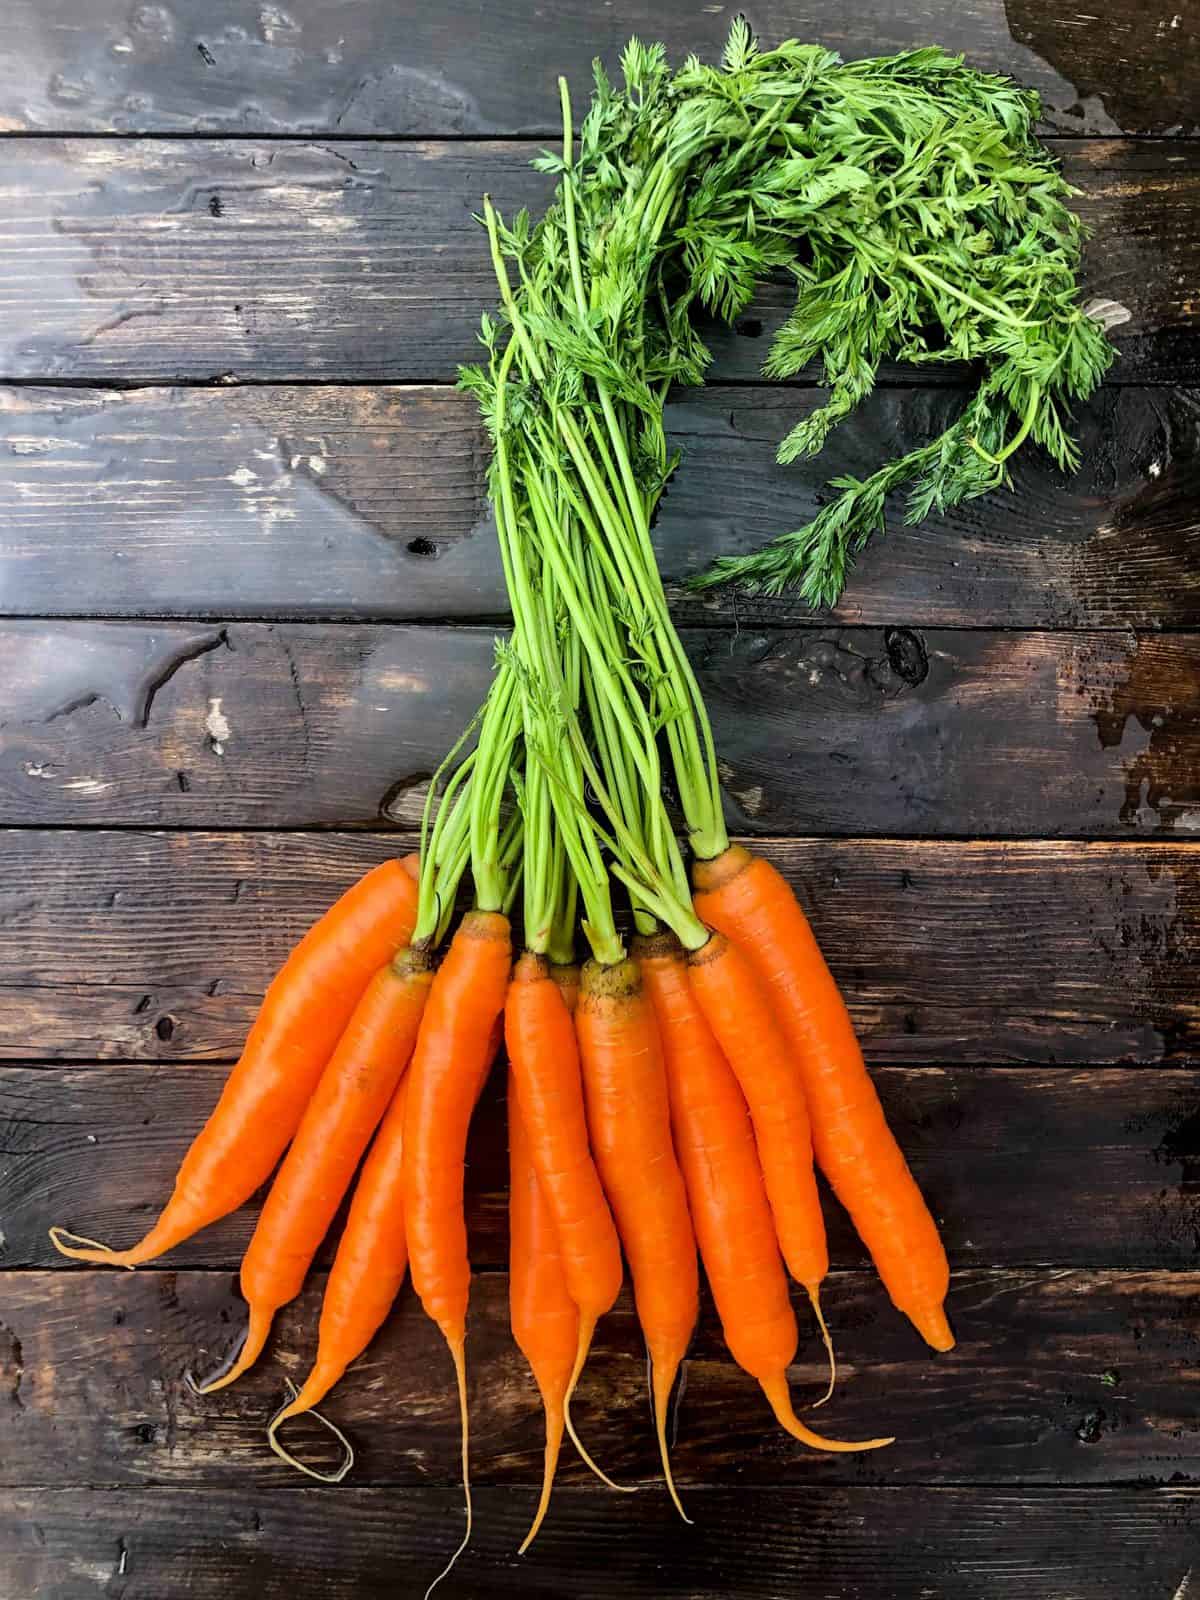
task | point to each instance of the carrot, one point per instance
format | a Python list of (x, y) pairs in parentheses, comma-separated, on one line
[(367, 1271), (746, 899), (451, 1061), (715, 1144), (302, 1018), (548, 1085), (630, 1123), (545, 1319), (736, 1007), (565, 974), (351, 1097)]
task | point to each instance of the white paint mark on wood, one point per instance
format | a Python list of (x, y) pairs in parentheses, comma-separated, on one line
[(37, 769), (1185, 1586), (216, 725), (86, 785), (243, 477)]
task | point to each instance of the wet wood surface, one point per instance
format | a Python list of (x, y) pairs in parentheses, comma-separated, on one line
[(821, 730), (1058, 1374), (383, 69), (366, 501), (983, 1542), (248, 586), (146, 260), (157, 946), (1111, 1153)]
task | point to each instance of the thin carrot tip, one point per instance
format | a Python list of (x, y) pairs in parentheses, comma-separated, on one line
[(814, 1295), (661, 1395), (460, 1374), (68, 1244)]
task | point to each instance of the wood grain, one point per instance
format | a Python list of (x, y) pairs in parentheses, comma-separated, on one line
[(167, 260), (377, 68), (1111, 1154), (158, 946), (825, 730), (964, 1543), (369, 502), (1058, 1377)]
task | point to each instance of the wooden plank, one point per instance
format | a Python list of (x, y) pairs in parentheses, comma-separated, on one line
[(1108, 1153), (850, 730), (369, 502), (820, 732), (374, 68), (828, 1543), (158, 946), (198, 259), (1058, 1377)]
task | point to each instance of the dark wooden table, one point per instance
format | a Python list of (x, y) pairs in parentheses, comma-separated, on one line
[(248, 589)]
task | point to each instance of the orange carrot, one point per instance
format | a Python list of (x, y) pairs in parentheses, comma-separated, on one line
[(747, 900), (629, 1120), (451, 1061), (545, 1319), (302, 1018), (566, 975), (371, 1260), (715, 1144), (542, 1048), (736, 1008), (351, 1097)]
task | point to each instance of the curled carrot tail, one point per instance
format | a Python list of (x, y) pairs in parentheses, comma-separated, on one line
[(261, 1318), (776, 1390), (457, 1350), (76, 1248), (297, 1403)]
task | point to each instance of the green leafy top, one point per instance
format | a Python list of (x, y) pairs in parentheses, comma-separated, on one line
[(909, 201)]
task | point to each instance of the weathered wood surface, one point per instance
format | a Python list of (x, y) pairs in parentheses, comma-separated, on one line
[(1082, 1377), (166, 260), (376, 68), (850, 730), (382, 1544), (369, 502), (158, 946), (1022, 1166)]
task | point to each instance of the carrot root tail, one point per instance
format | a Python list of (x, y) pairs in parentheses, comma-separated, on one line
[(261, 1318), (776, 1390), (76, 1247), (555, 1422), (587, 1326), (458, 1351), (814, 1295), (660, 1386), (933, 1325), (295, 1406)]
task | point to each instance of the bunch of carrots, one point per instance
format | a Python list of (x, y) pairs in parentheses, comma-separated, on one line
[(666, 1100)]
